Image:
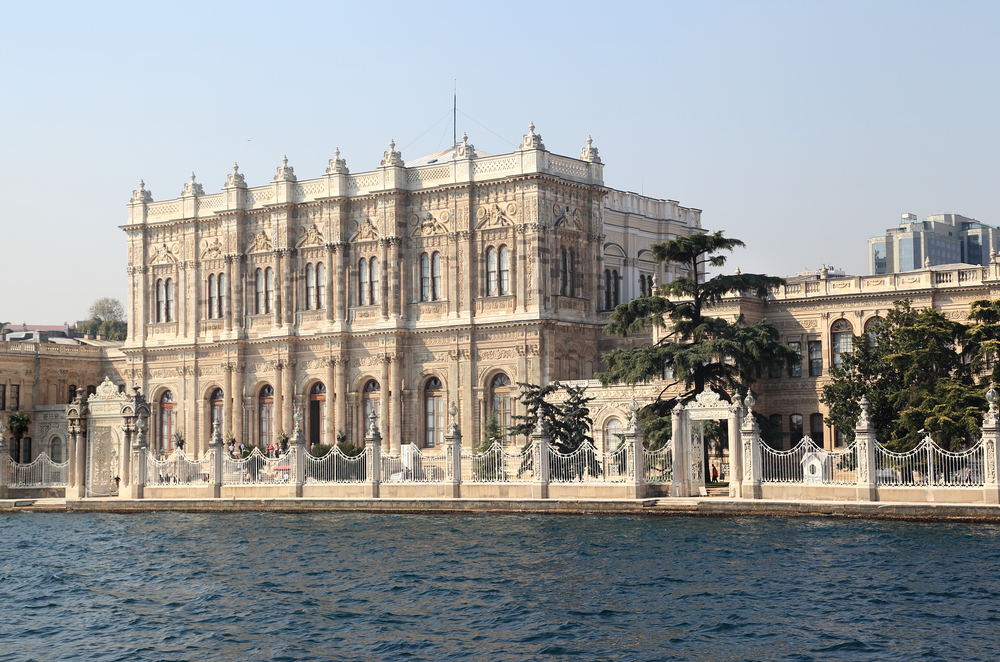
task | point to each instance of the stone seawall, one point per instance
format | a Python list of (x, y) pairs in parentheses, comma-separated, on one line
[(696, 507)]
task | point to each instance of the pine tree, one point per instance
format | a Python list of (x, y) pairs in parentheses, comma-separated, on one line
[(532, 398), (492, 434)]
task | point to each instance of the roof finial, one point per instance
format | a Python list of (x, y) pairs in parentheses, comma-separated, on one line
[(532, 140)]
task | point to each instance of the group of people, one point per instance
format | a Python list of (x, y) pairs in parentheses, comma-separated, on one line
[(237, 453)]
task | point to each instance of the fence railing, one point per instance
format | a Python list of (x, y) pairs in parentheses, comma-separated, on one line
[(178, 470), (658, 465), (930, 465), (41, 472), (336, 467), (496, 465), (258, 469), (809, 464), (413, 466), (588, 465)]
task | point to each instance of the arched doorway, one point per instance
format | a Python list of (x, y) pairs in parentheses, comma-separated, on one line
[(433, 413), (317, 414), (265, 415), (500, 397)]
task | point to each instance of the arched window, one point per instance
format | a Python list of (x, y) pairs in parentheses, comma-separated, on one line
[(310, 287), (265, 415), (215, 402), (425, 277), (374, 293), (504, 270), (842, 340), (613, 435), (500, 392), (370, 397), (170, 300), (223, 285), (213, 295), (571, 283), (795, 429), (258, 301), (161, 301), (269, 290), (56, 450), (168, 422), (436, 276), (776, 422), (317, 414), (363, 282), (320, 285), (615, 300), (816, 429), (72, 394), (491, 272), (871, 326), (563, 272), (434, 413), (607, 289)]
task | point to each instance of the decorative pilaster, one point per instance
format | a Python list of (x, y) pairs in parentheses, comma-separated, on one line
[(991, 438), (331, 399), (395, 402), (750, 438), (540, 456), (227, 295), (635, 454), (864, 437), (679, 486)]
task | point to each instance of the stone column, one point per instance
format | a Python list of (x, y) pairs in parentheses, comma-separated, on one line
[(237, 419), (679, 486), (288, 392), (453, 452), (140, 451), (343, 274), (297, 457), (635, 455), (395, 402), (279, 365), (331, 296), (383, 278), (227, 296), (991, 439), (735, 476), (864, 436), (216, 446), (750, 438), (540, 456), (331, 399), (236, 290), (383, 423), (288, 277), (373, 446), (394, 279), (228, 396), (341, 397), (276, 292)]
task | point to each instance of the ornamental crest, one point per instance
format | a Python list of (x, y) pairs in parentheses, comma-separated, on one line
[(259, 243), (162, 254), (212, 251), (566, 218), (312, 237), (429, 226), (107, 390), (492, 216), (366, 232)]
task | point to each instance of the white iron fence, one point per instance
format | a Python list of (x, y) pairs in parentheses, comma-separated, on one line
[(41, 472), (258, 469), (808, 464), (336, 467), (929, 465), (496, 465), (178, 470), (658, 465), (588, 465), (413, 466)]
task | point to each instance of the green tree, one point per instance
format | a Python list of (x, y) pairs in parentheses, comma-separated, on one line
[(532, 398), (914, 375), (17, 425), (492, 434), (568, 422), (107, 318), (983, 337)]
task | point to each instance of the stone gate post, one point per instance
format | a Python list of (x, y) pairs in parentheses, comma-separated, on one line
[(217, 447), (680, 485), (635, 454), (540, 452), (750, 438), (735, 456), (5, 464), (991, 438), (373, 440), (453, 453), (297, 457), (140, 451), (864, 436)]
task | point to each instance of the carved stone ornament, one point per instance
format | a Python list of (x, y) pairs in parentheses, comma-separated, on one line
[(991, 463), (337, 164), (193, 187), (493, 216), (465, 150), (162, 253), (141, 194), (391, 157), (285, 173), (312, 237), (366, 231), (259, 243), (567, 218), (708, 399), (107, 390), (863, 422), (532, 140), (589, 153), (212, 251), (235, 179), (428, 227)]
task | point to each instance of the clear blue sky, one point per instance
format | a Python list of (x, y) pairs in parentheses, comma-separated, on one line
[(799, 127)]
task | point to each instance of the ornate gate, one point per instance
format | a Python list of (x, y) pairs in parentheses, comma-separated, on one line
[(689, 462)]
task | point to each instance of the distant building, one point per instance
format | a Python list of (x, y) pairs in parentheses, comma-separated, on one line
[(937, 240)]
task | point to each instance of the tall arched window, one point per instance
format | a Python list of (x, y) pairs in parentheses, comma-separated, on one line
[(613, 435), (504, 270), (500, 392), (370, 397), (265, 414), (215, 402), (436, 276), (213, 295), (842, 340), (871, 326), (491, 272), (795, 429), (607, 289), (320, 285), (363, 282), (269, 290), (317, 414), (170, 300), (615, 299), (56, 450), (258, 300), (373, 269), (161, 301), (816, 429), (168, 422), (310, 287), (571, 279), (425, 277), (563, 272), (433, 413)]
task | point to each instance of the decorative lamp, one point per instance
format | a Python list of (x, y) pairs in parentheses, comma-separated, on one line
[(991, 395)]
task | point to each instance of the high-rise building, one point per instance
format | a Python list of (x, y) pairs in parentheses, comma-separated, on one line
[(939, 239)]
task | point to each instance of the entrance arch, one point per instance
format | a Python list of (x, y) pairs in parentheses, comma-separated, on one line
[(689, 431)]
